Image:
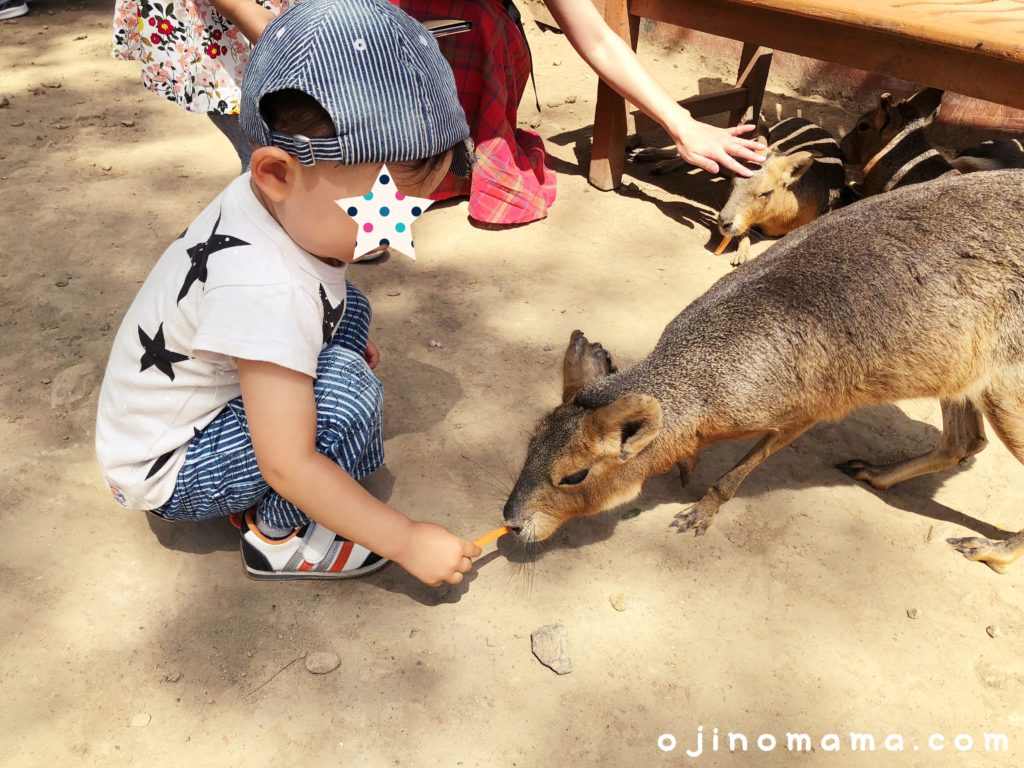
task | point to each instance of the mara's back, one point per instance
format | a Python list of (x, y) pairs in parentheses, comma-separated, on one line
[(919, 292)]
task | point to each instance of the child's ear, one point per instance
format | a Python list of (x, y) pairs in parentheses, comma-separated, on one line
[(273, 172)]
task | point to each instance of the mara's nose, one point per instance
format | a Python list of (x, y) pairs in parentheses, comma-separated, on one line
[(513, 516), (725, 225)]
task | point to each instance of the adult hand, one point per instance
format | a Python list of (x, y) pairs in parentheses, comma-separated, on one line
[(436, 556), (711, 148)]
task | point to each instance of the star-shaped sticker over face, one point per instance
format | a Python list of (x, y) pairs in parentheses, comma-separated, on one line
[(200, 252), (385, 217)]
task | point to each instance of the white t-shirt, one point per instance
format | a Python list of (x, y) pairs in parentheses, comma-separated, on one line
[(232, 285)]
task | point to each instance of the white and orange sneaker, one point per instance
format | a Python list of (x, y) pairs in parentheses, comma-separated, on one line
[(309, 552)]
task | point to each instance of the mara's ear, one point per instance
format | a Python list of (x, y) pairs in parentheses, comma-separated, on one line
[(583, 364), (926, 102), (796, 166), (885, 102), (627, 425)]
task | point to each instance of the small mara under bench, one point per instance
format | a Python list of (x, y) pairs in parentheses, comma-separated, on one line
[(972, 47)]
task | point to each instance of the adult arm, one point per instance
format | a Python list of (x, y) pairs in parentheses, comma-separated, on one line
[(615, 62), (250, 17)]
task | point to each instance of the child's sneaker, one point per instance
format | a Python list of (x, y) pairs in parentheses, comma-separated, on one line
[(310, 552), (12, 9)]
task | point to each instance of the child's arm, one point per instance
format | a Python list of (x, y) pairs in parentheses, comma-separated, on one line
[(281, 412), (250, 17), (615, 62)]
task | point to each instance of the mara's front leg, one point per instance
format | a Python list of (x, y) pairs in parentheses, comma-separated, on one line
[(698, 517)]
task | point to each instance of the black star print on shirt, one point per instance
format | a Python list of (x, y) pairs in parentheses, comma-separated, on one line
[(159, 463), (156, 353), (200, 252), (331, 314)]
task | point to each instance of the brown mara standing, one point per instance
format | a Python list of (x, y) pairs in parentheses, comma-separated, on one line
[(918, 293)]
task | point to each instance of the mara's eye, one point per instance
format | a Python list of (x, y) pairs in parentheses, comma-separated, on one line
[(575, 479), (863, 125), (766, 193)]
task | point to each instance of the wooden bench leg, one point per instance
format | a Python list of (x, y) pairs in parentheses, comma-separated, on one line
[(755, 62), (608, 151)]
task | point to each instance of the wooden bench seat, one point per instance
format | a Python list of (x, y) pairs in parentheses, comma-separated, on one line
[(972, 47)]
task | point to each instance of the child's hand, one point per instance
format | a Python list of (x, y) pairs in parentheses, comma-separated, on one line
[(434, 555), (710, 148), (371, 355)]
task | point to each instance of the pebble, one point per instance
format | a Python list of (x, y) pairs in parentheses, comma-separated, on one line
[(106, 167), (554, 102), (61, 284), (913, 613), (618, 601), (45, 380), (557, 62), (4, 102), (171, 677), (141, 720), (548, 347), (993, 630), (322, 662), (72, 384), (81, 37), (128, 123), (52, 84), (570, 99), (436, 343), (550, 645)]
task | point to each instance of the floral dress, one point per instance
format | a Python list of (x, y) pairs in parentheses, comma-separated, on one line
[(189, 53)]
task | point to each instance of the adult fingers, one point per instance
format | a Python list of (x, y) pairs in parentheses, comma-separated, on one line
[(739, 130), (465, 565), (737, 168), (469, 549), (455, 578)]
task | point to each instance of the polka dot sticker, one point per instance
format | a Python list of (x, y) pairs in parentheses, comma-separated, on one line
[(359, 44), (386, 222)]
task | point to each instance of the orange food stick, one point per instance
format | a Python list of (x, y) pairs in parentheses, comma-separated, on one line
[(723, 245), (487, 538)]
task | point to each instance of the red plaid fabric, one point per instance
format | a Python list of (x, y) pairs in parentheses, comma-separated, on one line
[(511, 183)]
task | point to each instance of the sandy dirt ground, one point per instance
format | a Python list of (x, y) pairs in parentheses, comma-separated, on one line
[(127, 642)]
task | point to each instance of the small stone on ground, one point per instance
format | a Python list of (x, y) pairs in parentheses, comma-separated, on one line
[(551, 647)]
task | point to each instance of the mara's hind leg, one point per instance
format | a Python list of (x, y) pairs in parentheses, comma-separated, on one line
[(1006, 415), (698, 517), (963, 435)]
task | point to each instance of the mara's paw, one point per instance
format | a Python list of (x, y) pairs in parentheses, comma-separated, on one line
[(995, 554), (667, 166), (697, 519), (651, 155), (859, 469)]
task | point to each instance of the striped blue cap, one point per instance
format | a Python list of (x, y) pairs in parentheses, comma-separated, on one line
[(376, 71)]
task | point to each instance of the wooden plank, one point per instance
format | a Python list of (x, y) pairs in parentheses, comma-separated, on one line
[(837, 38), (608, 149)]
